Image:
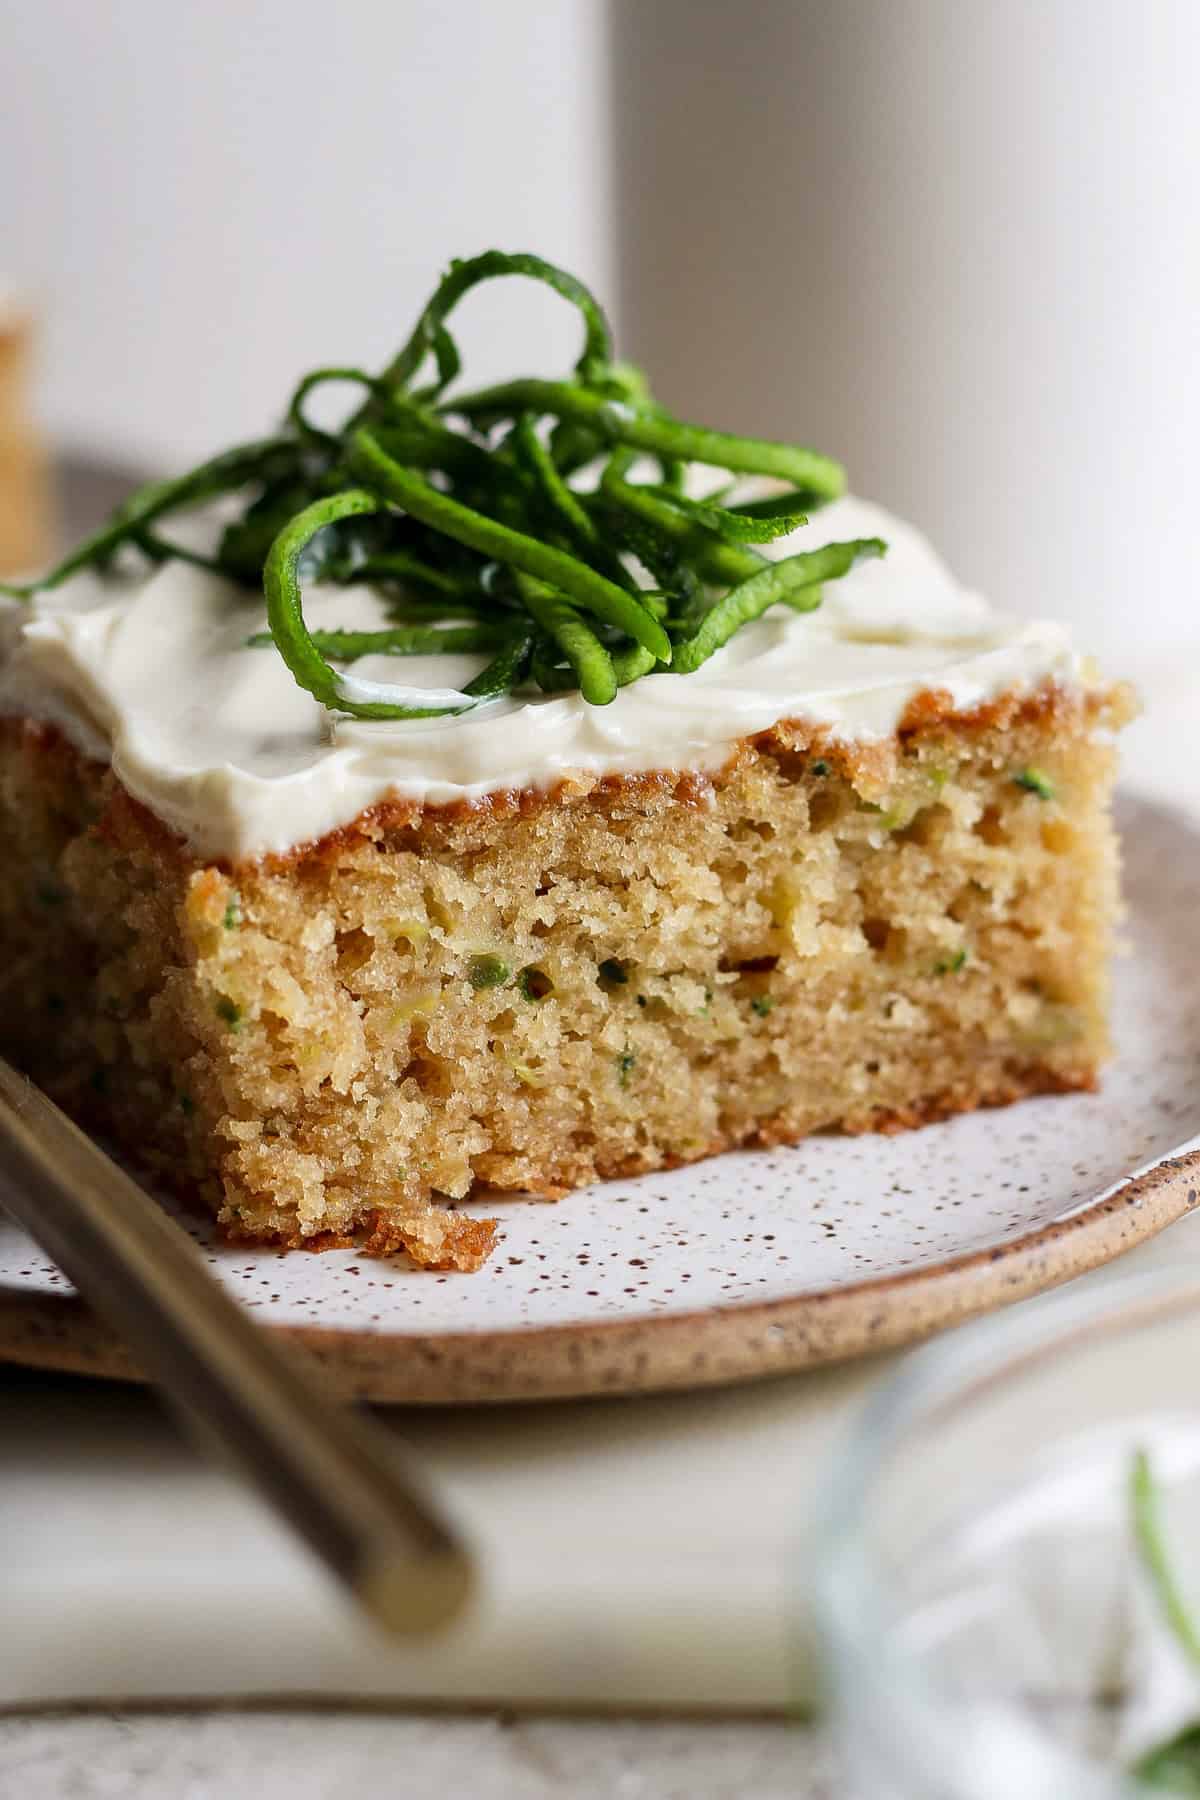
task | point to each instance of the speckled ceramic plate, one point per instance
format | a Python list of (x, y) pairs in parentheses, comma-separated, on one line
[(761, 1261)]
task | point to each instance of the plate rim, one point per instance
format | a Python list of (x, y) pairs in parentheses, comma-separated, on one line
[(706, 1347)]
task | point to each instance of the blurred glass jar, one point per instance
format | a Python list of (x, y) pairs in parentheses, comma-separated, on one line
[(987, 1623)]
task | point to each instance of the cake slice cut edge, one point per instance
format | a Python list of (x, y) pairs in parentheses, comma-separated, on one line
[(542, 988)]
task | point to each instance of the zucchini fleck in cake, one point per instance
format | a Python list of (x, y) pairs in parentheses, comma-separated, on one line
[(696, 819)]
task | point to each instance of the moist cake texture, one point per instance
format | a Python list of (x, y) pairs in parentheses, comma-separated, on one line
[(539, 989)]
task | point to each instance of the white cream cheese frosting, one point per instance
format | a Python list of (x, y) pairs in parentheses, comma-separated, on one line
[(217, 739)]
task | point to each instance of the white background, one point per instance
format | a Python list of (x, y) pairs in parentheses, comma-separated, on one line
[(208, 198), (954, 241)]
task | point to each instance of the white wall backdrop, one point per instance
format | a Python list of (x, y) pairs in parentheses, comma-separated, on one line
[(955, 241), (207, 198)]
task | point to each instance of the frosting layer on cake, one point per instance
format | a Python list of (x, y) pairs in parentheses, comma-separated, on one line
[(154, 674)]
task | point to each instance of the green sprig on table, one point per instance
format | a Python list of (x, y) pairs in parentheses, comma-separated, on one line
[(511, 521), (1171, 1767)]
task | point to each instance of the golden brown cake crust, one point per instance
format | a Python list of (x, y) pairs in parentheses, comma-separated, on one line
[(864, 764)]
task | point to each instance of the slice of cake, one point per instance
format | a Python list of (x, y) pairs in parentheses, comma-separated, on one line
[(690, 825)]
